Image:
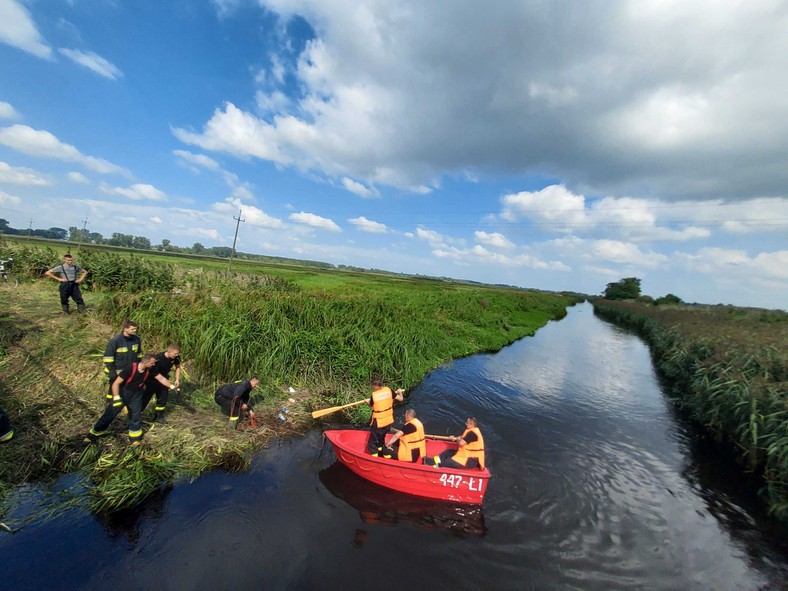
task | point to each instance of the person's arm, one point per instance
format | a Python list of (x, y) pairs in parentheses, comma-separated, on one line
[(462, 442), (399, 395), (109, 360), (81, 278), (178, 376), (164, 381), (116, 401), (397, 435), (50, 273)]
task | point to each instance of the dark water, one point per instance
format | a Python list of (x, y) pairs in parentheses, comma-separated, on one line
[(596, 486)]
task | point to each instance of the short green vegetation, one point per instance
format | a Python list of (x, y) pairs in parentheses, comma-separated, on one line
[(728, 368), (315, 337)]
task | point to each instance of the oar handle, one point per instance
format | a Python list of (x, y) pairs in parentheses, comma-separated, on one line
[(440, 437), (327, 411)]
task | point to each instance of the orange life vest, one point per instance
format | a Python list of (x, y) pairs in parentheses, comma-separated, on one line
[(474, 449), (410, 441), (382, 407)]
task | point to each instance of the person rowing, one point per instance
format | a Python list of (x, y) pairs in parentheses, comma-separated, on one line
[(409, 445), (469, 453)]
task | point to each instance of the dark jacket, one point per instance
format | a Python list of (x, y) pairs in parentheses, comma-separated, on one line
[(235, 390), (120, 352)]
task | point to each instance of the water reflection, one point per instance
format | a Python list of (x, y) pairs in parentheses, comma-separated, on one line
[(380, 506)]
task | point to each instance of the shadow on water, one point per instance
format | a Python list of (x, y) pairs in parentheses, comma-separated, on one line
[(380, 506)]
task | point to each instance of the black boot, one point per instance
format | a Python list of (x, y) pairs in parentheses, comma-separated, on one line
[(158, 417), (65, 308), (80, 308)]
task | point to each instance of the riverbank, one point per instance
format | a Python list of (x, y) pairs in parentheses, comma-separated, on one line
[(313, 347), (727, 367)]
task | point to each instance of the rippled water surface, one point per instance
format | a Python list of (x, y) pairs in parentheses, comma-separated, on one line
[(596, 486)]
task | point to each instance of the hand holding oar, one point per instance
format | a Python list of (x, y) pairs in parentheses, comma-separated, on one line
[(327, 411), (442, 437)]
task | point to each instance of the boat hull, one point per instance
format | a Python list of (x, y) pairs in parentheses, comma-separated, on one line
[(447, 484)]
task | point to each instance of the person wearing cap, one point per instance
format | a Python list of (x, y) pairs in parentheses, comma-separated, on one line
[(70, 276)]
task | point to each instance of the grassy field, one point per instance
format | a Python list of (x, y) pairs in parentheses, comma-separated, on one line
[(315, 337), (728, 368)]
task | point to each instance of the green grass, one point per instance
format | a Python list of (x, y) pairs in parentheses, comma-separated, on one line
[(728, 368), (324, 332)]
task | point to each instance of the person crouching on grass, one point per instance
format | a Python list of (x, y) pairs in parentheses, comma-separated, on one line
[(234, 399), (128, 389)]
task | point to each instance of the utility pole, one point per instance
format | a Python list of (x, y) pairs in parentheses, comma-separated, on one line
[(30, 229), (238, 223), (84, 233)]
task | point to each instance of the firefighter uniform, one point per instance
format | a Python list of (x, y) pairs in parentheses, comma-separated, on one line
[(231, 397), (131, 395), (121, 352), (163, 365), (382, 403)]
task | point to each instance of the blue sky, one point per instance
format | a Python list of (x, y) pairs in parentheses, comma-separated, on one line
[(553, 145)]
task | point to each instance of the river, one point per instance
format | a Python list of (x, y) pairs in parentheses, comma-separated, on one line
[(597, 485)]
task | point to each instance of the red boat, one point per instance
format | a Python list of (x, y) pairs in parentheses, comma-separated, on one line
[(447, 484)]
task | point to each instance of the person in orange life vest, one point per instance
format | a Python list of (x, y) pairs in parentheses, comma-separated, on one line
[(408, 445), (469, 454), (128, 389), (382, 403)]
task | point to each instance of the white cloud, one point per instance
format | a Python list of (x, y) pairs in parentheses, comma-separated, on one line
[(45, 145), (155, 219), (616, 252), (384, 85), (495, 240), (554, 204), (6, 199), (78, 177), (315, 221), (479, 254), (358, 188), (94, 62), (365, 225), (7, 111), (434, 239), (18, 29), (137, 192), (198, 160), (249, 213), (20, 176), (735, 264)]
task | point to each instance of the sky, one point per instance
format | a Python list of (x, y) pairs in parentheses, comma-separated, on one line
[(558, 145)]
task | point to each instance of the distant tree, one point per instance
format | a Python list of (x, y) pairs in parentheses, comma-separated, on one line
[(165, 244), (668, 299), (628, 288), (119, 239), (95, 238), (222, 251), (140, 242), (197, 248), (58, 233), (6, 229)]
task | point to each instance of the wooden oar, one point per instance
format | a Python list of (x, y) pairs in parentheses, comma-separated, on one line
[(327, 411), (441, 437)]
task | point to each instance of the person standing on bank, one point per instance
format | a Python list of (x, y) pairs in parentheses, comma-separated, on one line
[(409, 444), (128, 389), (165, 361), (122, 350), (71, 276), (382, 403), (234, 399), (469, 454)]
